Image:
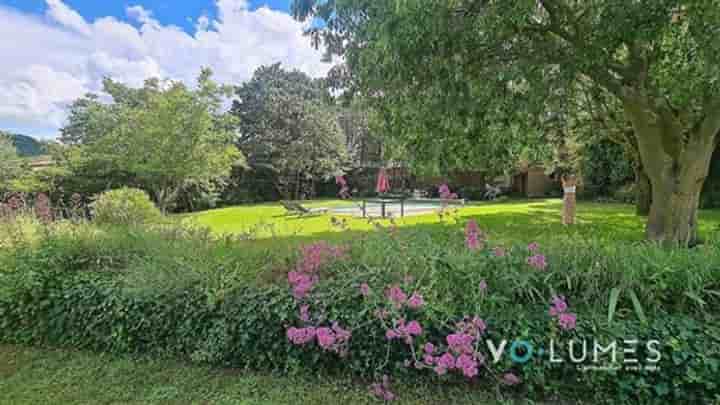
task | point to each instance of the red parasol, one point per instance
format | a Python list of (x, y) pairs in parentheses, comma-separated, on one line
[(383, 183)]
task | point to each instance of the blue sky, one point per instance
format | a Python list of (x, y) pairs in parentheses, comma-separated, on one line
[(175, 12), (56, 51)]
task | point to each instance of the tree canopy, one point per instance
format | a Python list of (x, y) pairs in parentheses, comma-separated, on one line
[(470, 80), (288, 124), (162, 137)]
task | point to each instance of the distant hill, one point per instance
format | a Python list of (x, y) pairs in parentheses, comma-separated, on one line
[(26, 146)]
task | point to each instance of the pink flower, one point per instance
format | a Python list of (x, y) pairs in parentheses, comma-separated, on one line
[(479, 325), (416, 301), (499, 251), (429, 359), (533, 247), (460, 342), (340, 333), (558, 306), (325, 337), (511, 379), (301, 336), (537, 261), (446, 361), (472, 235), (483, 285), (305, 313), (429, 348), (413, 328), (396, 295), (364, 289), (391, 334), (567, 321), (468, 365)]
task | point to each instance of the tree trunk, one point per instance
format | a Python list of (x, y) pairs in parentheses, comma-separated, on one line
[(673, 213), (643, 192), (676, 160)]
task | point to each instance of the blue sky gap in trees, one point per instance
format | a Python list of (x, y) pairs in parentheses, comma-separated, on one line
[(55, 51)]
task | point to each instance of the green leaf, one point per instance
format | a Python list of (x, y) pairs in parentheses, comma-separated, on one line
[(638, 307), (614, 296)]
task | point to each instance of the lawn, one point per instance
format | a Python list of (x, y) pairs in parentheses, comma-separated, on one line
[(521, 220), (32, 375)]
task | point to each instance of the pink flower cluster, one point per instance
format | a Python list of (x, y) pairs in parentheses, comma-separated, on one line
[(333, 339), (537, 261), (499, 251), (474, 239), (461, 354), (313, 257), (406, 331), (445, 192), (559, 309), (399, 298), (381, 390)]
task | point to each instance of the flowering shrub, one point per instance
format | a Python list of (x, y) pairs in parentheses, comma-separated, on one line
[(385, 306)]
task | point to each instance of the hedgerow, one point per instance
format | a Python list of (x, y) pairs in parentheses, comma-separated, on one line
[(387, 305)]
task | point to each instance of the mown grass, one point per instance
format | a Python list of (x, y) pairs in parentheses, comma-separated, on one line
[(510, 221), (33, 376)]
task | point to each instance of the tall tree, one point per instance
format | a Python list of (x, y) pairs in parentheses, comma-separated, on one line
[(162, 137), (289, 125), (506, 63)]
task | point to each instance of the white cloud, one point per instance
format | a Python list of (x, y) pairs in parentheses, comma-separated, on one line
[(60, 12), (51, 61)]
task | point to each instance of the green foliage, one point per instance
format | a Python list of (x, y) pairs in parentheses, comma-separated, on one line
[(177, 292), (126, 207), (604, 167), (164, 138)]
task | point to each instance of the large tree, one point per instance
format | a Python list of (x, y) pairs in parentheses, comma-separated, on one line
[(162, 137), (457, 70), (289, 124)]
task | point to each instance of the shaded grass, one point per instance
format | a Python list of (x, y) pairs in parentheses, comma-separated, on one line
[(32, 375)]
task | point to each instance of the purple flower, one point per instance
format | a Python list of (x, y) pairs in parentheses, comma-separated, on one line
[(429, 359), (483, 285), (533, 247), (416, 301), (391, 334)]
